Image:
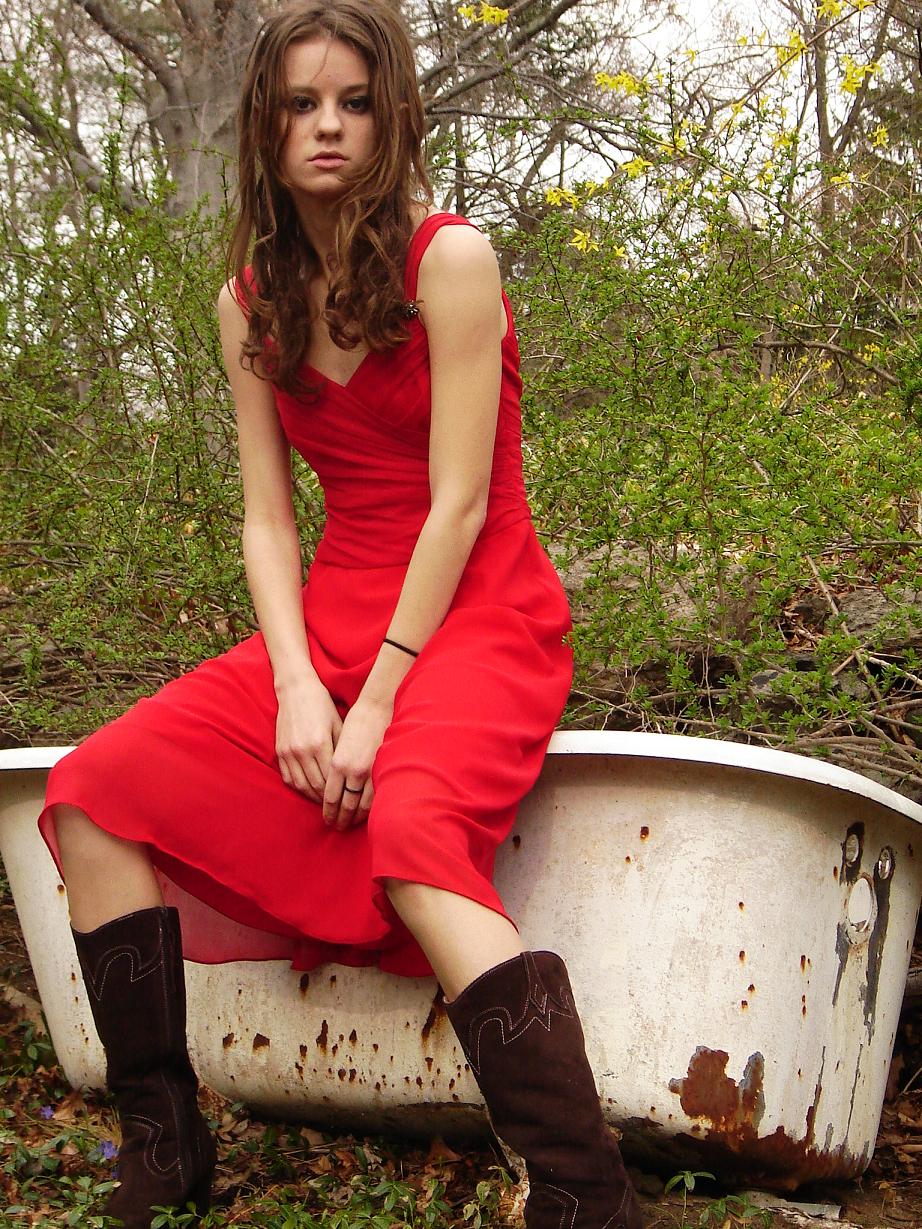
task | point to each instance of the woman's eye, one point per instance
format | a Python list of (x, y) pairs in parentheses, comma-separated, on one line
[(300, 102), (359, 104)]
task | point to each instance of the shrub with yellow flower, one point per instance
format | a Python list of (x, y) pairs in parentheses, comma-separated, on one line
[(583, 240)]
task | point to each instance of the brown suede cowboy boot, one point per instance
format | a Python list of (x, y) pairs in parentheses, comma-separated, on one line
[(133, 971), (521, 1035)]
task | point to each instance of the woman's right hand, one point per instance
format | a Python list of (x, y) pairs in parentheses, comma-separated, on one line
[(306, 732)]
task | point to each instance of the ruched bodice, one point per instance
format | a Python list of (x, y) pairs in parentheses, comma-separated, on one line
[(368, 443)]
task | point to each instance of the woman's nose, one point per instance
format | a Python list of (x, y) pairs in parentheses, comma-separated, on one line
[(328, 118)]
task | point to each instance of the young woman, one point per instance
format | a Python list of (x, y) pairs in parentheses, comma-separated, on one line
[(335, 787)]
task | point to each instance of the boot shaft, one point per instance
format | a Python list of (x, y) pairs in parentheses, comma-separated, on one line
[(133, 971), (521, 1035), (134, 977)]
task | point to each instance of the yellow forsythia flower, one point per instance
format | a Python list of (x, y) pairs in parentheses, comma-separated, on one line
[(881, 137), (489, 14), (790, 50), (766, 175), (583, 240), (626, 82), (562, 196), (674, 147), (636, 166), (830, 8), (856, 73)]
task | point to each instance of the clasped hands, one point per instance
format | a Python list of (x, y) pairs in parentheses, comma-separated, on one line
[(326, 757)]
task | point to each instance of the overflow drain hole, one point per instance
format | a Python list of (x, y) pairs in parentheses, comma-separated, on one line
[(861, 909)]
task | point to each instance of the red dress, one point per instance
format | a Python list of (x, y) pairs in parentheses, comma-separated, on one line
[(192, 771)]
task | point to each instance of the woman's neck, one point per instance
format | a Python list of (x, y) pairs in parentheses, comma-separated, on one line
[(318, 222)]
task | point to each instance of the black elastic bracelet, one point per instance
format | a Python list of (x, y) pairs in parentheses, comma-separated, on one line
[(397, 645)]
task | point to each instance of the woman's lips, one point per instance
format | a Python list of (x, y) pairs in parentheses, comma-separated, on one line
[(331, 161)]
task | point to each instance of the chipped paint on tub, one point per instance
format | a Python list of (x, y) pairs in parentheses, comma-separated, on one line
[(737, 924)]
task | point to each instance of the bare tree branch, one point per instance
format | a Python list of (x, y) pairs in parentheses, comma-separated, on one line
[(477, 35), (520, 46), (191, 19), (82, 165), (149, 56)]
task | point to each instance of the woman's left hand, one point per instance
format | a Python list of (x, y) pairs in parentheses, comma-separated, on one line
[(348, 795)]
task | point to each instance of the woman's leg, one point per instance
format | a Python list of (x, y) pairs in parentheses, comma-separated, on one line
[(106, 876), (437, 919), (130, 951), (514, 1015)]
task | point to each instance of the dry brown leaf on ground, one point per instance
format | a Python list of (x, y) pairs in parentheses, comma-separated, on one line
[(70, 1106), (439, 1153)]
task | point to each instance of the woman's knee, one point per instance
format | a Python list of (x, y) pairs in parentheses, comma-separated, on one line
[(72, 826), (421, 907), (80, 839)]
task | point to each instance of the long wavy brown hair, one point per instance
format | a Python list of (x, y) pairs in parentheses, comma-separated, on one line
[(365, 301)]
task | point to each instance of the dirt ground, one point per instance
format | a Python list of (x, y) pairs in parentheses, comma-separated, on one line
[(888, 1196)]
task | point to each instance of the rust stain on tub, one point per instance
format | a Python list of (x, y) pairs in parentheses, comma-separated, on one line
[(727, 1135), (227, 1040), (323, 1036), (304, 982), (708, 1092), (436, 1012), (260, 1041)]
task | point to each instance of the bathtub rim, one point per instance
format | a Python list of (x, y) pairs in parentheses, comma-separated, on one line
[(682, 748)]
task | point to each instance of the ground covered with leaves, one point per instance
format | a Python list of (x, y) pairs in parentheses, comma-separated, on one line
[(58, 1149)]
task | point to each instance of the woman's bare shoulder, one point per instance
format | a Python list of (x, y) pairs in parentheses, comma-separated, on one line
[(454, 252), (231, 300)]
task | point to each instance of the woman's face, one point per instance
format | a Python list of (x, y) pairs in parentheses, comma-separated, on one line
[(329, 104)]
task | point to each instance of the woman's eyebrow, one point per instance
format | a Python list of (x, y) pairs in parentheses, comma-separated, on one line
[(309, 89)]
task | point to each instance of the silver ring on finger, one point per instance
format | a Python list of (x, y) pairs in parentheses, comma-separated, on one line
[(348, 789)]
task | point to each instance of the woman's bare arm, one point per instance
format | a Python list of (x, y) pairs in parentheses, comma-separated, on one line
[(272, 555), (460, 294)]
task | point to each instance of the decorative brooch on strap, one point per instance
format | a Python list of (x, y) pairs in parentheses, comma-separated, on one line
[(410, 309)]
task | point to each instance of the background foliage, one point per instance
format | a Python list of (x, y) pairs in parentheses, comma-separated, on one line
[(714, 272)]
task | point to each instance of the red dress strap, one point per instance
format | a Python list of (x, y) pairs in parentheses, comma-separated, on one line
[(420, 242), (250, 279)]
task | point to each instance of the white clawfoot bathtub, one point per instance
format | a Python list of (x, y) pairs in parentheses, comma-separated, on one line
[(737, 924)]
